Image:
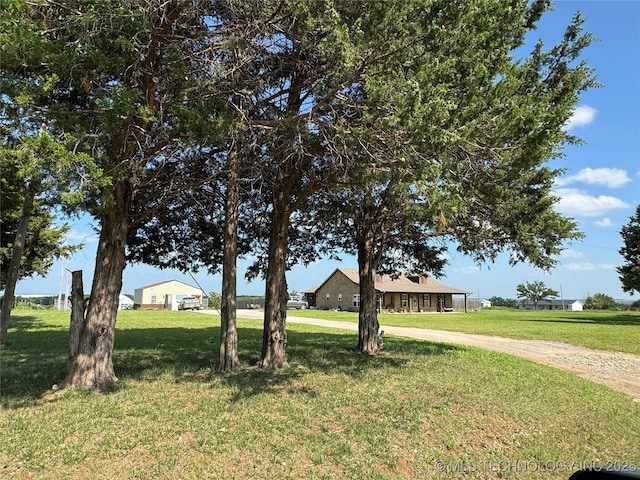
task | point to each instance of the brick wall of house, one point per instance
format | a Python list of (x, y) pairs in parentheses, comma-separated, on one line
[(340, 291)]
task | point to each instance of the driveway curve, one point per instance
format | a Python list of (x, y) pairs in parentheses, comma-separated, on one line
[(616, 370)]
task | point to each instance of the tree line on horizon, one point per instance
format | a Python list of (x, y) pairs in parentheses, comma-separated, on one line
[(197, 132), (597, 301)]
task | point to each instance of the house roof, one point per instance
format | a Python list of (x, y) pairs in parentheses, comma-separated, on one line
[(123, 299), (166, 281), (402, 284), (554, 302)]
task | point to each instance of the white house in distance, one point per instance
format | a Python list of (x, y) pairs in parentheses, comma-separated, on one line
[(125, 303), (164, 295), (569, 305)]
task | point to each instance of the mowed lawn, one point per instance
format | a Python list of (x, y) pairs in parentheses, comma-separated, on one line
[(615, 331), (419, 410)]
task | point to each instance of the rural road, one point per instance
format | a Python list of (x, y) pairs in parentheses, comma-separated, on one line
[(618, 371)]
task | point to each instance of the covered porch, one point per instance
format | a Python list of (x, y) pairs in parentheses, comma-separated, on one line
[(397, 302)]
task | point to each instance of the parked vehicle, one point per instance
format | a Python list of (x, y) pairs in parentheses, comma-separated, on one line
[(297, 304), (190, 303)]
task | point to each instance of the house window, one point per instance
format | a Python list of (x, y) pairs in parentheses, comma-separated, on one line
[(154, 299), (405, 300), (356, 300), (328, 297), (339, 297), (427, 300)]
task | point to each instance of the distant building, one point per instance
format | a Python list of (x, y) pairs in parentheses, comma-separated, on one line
[(164, 295), (407, 293), (569, 305), (485, 303), (125, 303)]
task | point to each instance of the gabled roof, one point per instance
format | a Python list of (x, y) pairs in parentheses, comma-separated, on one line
[(402, 284), (166, 281)]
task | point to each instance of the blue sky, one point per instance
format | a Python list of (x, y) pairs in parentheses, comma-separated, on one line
[(600, 189)]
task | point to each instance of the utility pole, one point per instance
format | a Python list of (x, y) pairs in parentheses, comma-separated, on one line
[(60, 285)]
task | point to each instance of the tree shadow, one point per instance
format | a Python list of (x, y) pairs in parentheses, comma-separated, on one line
[(24, 323), (329, 354), (38, 357), (34, 358)]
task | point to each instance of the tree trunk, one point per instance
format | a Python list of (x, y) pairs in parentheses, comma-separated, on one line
[(92, 366), (274, 335), (368, 326), (78, 306), (229, 361), (14, 265)]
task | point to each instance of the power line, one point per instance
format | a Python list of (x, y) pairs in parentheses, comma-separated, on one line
[(598, 246)]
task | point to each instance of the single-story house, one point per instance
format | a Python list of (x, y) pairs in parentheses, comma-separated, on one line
[(570, 305), (164, 295), (406, 293)]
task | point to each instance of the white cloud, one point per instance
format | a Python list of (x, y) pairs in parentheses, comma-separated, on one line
[(609, 177), (581, 116), (575, 202), (569, 253), (588, 266), (605, 222), (467, 270)]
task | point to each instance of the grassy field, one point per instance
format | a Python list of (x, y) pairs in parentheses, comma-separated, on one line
[(419, 410), (615, 331)]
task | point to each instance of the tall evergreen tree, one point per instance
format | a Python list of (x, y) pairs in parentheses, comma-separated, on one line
[(454, 145), (35, 176), (110, 79), (630, 271)]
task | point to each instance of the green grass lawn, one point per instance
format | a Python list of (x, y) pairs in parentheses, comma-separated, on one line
[(615, 331), (419, 410)]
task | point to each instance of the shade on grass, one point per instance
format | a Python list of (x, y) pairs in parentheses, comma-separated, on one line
[(333, 414)]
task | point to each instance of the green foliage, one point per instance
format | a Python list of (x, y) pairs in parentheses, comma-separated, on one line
[(76, 71), (451, 136), (387, 83), (600, 301), (630, 271), (215, 300), (39, 167), (503, 302), (535, 291)]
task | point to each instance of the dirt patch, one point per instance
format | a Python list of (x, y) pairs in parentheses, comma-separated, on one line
[(616, 370)]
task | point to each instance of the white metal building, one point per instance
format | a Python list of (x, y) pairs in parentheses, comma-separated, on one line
[(164, 295)]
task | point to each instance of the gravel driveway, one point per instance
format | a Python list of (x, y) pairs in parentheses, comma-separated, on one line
[(618, 371)]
